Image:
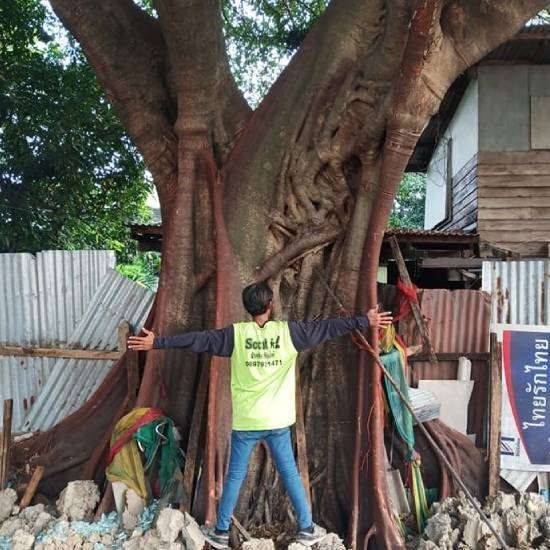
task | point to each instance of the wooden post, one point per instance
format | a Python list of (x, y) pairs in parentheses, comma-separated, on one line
[(422, 327), (32, 486), (193, 443), (5, 444), (301, 445), (495, 414), (123, 333)]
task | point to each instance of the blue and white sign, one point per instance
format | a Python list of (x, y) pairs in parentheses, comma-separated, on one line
[(525, 433)]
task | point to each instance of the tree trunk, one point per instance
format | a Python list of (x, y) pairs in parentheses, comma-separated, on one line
[(305, 181)]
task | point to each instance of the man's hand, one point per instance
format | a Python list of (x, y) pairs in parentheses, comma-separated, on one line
[(142, 343), (379, 319)]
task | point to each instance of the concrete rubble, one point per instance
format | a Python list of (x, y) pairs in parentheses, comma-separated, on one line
[(69, 525), (523, 520), (78, 500)]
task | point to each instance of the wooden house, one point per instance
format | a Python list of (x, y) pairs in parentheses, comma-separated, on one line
[(487, 151)]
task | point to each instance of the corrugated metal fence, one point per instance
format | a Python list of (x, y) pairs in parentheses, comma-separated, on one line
[(72, 381), (521, 291), (60, 299), (520, 295), (43, 297)]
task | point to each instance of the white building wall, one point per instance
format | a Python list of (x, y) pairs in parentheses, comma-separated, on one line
[(463, 133)]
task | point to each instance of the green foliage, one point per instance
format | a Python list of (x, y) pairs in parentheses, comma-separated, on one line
[(70, 177), (144, 269), (262, 36), (408, 207)]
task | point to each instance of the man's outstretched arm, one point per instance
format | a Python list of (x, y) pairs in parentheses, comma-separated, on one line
[(307, 334), (217, 342)]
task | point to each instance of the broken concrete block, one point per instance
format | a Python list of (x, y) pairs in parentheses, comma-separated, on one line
[(258, 544), (169, 524), (331, 542), (11, 525), (544, 526), (8, 498), (129, 520), (438, 527), (22, 540), (472, 532), (192, 535), (78, 500)]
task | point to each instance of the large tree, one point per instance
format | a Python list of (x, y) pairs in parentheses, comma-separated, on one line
[(304, 181)]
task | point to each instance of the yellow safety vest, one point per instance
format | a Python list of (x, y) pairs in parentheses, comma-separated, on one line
[(263, 383)]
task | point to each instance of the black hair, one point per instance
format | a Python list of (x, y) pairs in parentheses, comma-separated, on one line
[(256, 298)]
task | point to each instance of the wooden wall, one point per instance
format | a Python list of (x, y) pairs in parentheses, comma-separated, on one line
[(463, 198), (514, 201)]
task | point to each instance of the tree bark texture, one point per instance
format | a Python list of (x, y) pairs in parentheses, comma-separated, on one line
[(305, 181)]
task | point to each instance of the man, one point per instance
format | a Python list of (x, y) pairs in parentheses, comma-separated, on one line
[(263, 357)]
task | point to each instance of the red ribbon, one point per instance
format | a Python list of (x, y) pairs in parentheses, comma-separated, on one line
[(125, 436), (407, 295)]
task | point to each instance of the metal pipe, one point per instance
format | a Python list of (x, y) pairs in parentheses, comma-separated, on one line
[(430, 439)]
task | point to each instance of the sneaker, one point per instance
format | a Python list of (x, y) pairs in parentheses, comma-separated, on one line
[(215, 538), (311, 535)]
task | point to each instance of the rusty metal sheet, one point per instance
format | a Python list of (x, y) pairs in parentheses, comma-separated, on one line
[(458, 321), (520, 291)]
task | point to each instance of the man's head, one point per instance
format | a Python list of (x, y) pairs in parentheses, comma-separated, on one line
[(257, 298)]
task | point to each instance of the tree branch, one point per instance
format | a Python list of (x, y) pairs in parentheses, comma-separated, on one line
[(305, 112), (125, 47), (208, 99)]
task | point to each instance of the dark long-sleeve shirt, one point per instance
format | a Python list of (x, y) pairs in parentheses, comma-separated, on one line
[(304, 335)]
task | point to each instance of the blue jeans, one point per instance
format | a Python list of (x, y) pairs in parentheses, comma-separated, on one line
[(280, 446)]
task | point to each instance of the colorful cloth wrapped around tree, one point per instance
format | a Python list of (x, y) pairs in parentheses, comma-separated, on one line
[(144, 430), (394, 357)]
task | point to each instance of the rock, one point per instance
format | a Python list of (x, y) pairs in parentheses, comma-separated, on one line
[(472, 532), (78, 500), (22, 540), (169, 524), (258, 544), (11, 525), (522, 520), (438, 527), (95, 538), (331, 542), (129, 520), (8, 498), (150, 541), (107, 540), (192, 535)]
